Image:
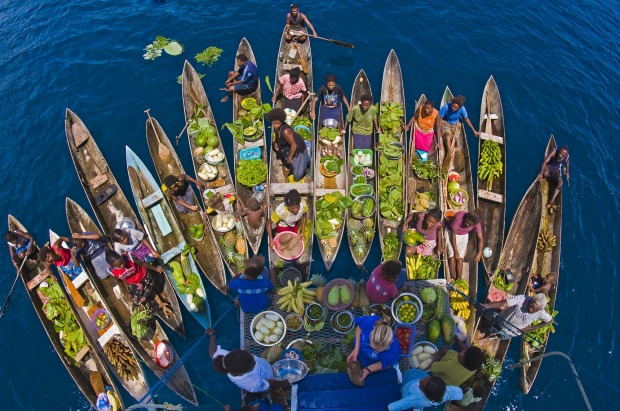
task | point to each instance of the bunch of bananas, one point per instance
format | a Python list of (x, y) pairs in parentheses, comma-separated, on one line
[(491, 165), (122, 358), (295, 296), (546, 240), (458, 303)]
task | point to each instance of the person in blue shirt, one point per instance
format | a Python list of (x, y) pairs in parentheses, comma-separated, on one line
[(244, 80), (375, 348), (420, 390), (253, 285), (451, 113)]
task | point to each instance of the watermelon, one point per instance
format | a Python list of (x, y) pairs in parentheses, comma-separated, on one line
[(453, 185), (432, 330)]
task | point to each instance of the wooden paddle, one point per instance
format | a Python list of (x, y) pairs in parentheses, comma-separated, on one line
[(8, 297), (163, 151), (337, 42), (302, 59)]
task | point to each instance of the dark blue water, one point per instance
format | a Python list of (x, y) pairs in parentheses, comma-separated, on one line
[(555, 63)]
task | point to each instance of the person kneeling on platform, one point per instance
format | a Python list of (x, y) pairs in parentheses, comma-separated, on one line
[(517, 313)]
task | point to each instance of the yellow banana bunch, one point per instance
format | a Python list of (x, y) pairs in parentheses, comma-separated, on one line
[(294, 297), (464, 313), (459, 305), (546, 240)]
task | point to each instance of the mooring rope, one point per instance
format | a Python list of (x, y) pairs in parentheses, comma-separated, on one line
[(170, 373)]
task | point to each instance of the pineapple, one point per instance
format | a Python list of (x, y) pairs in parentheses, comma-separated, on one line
[(240, 245), (332, 242), (359, 249), (319, 281), (356, 295), (364, 301), (368, 223), (354, 225), (369, 234), (230, 238), (274, 354)]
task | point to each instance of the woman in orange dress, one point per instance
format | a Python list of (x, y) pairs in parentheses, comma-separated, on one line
[(427, 124)]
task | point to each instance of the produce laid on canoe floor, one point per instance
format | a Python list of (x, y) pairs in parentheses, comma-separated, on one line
[(313, 321)]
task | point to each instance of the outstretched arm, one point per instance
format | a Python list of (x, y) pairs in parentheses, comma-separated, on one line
[(477, 133), (310, 26)]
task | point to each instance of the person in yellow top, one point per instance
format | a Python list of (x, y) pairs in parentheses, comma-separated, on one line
[(426, 125), (457, 367), (290, 215)]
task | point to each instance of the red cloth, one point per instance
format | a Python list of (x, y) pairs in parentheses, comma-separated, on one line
[(423, 140), (281, 229), (130, 273), (65, 256)]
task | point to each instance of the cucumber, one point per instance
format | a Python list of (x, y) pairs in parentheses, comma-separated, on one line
[(368, 207)]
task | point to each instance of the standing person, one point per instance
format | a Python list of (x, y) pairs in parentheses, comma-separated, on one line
[(457, 239), (248, 372), (518, 313), (426, 125), (427, 224), (362, 118), (456, 367), (178, 189), (244, 80), (293, 90), (420, 390), (290, 215), (131, 241), (385, 280), (296, 23), (253, 284), (375, 349), (451, 113), (91, 248), (552, 170), (21, 245), (331, 96), (61, 257), (289, 146)]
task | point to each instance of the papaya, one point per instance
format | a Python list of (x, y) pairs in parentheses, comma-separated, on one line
[(333, 297), (448, 328), (345, 294), (432, 330)]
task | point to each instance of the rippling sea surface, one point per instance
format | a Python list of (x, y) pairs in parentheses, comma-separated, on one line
[(555, 63)]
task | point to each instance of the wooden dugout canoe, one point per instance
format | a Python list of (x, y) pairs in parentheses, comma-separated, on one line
[(207, 247), (361, 233), (105, 195), (326, 185), (194, 96), (461, 163), (517, 256), (544, 263), (491, 201), (89, 360), (163, 229), (120, 309), (254, 236), (278, 185), (415, 184), (392, 91)]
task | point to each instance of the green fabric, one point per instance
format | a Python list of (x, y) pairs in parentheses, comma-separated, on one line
[(450, 369), (362, 123)]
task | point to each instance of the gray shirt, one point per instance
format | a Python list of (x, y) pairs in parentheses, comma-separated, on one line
[(518, 316)]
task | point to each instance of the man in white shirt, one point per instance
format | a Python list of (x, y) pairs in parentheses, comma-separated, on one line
[(518, 312)]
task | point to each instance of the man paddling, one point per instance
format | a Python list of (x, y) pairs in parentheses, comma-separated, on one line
[(297, 25)]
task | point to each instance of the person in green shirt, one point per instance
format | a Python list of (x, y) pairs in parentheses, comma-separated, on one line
[(362, 118), (457, 367)]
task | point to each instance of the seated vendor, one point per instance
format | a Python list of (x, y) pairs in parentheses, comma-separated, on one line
[(91, 248), (289, 146), (130, 241), (420, 390), (178, 189), (457, 367), (21, 245), (518, 313), (426, 126), (297, 24), (385, 280), (293, 90), (375, 348), (244, 80), (331, 97), (61, 257), (362, 117), (429, 225), (290, 215)]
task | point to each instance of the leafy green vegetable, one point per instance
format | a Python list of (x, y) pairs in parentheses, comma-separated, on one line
[(428, 268), (329, 133), (140, 318), (333, 164), (391, 176), (302, 121), (428, 170), (154, 49), (501, 285), (329, 214), (251, 172), (540, 335), (209, 56), (391, 245), (391, 117), (57, 309), (492, 368), (174, 48)]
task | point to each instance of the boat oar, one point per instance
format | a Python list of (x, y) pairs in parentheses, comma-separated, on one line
[(337, 42), (302, 59), (184, 127), (304, 103), (164, 152), (8, 297)]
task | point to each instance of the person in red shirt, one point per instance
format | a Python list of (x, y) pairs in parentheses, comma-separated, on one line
[(139, 276), (61, 257)]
